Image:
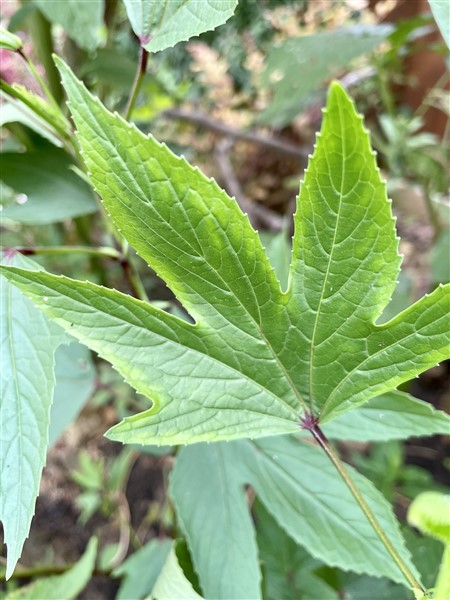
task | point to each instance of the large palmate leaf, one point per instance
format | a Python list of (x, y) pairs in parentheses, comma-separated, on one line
[(161, 24), (256, 358), (317, 512), (28, 343)]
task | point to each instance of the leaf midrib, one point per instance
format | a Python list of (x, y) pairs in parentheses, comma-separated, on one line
[(19, 407)]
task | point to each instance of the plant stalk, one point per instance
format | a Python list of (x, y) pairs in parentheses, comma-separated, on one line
[(40, 30), (333, 456), (102, 252), (142, 66)]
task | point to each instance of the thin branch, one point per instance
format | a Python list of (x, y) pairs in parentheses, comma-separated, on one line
[(274, 143), (140, 72), (258, 214)]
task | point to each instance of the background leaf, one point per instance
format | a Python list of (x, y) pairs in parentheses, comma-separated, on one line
[(140, 571), (288, 569), (53, 191), (319, 513), (75, 381), (392, 416), (296, 68), (82, 21), (62, 587), (28, 341), (163, 24), (213, 512), (20, 113), (441, 13), (9, 41), (172, 584)]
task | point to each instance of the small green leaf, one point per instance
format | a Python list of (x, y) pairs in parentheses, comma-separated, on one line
[(75, 378), (161, 24), (212, 510), (62, 587), (9, 41), (392, 416), (82, 21), (27, 371), (49, 190), (140, 571), (441, 13), (172, 584), (430, 513)]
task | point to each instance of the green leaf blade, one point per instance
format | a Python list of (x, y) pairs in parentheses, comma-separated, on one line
[(441, 13), (320, 513), (83, 21), (391, 416), (9, 41), (197, 397), (345, 259), (52, 191), (412, 342), (62, 587), (27, 371), (212, 509), (193, 235), (163, 24), (173, 584)]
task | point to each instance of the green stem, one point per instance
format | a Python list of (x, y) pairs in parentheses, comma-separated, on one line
[(101, 252), (134, 280), (432, 211), (333, 456), (49, 570), (41, 33), (35, 72), (140, 72)]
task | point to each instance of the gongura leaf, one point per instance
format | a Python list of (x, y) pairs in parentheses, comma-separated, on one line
[(161, 24), (256, 358), (318, 512), (172, 583), (212, 510), (391, 416), (28, 343), (82, 21)]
